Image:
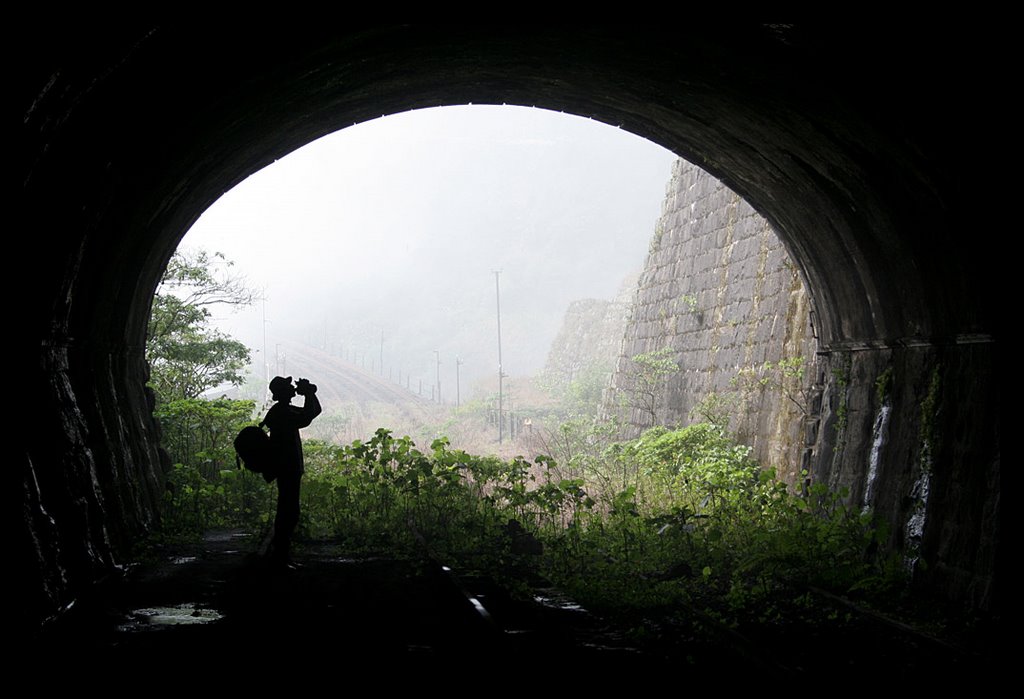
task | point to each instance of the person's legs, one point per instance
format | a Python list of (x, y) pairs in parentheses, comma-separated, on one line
[(287, 517)]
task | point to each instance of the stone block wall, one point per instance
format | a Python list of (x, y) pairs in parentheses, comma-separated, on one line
[(720, 292), (590, 336), (909, 432), (907, 429)]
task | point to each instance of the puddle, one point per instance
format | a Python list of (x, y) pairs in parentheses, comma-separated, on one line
[(480, 609), (610, 648), (178, 615), (554, 599), (224, 535), (181, 560)]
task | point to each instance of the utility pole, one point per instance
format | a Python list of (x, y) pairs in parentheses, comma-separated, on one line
[(458, 383), (437, 356), (382, 351), (266, 358), (501, 374)]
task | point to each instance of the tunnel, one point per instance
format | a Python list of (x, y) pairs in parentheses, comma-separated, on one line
[(841, 136)]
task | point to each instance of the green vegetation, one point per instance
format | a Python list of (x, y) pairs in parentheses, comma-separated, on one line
[(204, 487), (785, 377), (883, 386), (186, 356), (675, 517), (650, 372), (841, 380), (717, 409), (672, 519), (929, 408), (581, 395)]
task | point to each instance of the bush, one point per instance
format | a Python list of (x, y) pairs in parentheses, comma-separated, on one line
[(205, 488), (673, 516)]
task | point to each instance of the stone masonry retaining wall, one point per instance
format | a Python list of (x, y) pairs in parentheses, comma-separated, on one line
[(720, 291)]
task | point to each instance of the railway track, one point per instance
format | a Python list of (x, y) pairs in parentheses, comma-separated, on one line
[(341, 383)]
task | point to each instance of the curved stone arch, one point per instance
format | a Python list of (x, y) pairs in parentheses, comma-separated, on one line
[(844, 192), (822, 133)]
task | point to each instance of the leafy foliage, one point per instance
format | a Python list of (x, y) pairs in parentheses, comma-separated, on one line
[(204, 487), (650, 372), (186, 355), (582, 394), (786, 377), (675, 517), (200, 432)]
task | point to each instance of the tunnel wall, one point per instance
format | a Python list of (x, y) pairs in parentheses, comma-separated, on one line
[(91, 481), (913, 434), (909, 431), (839, 135)]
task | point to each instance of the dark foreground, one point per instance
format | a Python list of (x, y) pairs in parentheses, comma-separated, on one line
[(218, 605)]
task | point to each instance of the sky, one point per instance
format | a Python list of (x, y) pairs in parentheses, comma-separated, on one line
[(397, 225)]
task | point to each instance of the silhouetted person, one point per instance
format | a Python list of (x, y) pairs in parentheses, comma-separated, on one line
[(284, 422)]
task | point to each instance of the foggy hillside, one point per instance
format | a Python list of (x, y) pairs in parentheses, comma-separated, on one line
[(397, 226)]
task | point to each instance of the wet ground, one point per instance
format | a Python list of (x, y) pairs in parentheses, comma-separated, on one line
[(219, 604)]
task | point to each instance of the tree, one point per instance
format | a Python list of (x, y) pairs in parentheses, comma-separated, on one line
[(186, 355), (650, 374)]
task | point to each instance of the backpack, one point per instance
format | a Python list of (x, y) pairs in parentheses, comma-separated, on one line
[(252, 448)]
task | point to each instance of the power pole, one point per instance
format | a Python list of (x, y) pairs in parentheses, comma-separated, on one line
[(266, 357), (437, 356), (382, 352), (501, 374), (458, 383)]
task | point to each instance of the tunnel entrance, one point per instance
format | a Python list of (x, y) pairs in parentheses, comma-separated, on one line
[(868, 204), (400, 225), (744, 302)]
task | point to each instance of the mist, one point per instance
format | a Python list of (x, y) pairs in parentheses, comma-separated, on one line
[(394, 228)]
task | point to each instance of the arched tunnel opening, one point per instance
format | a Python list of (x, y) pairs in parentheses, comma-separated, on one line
[(838, 149)]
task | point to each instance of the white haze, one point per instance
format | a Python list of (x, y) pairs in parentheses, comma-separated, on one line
[(397, 225)]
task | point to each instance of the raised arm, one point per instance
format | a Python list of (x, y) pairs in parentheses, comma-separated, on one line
[(290, 417), (310, 409), (311, 404)]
